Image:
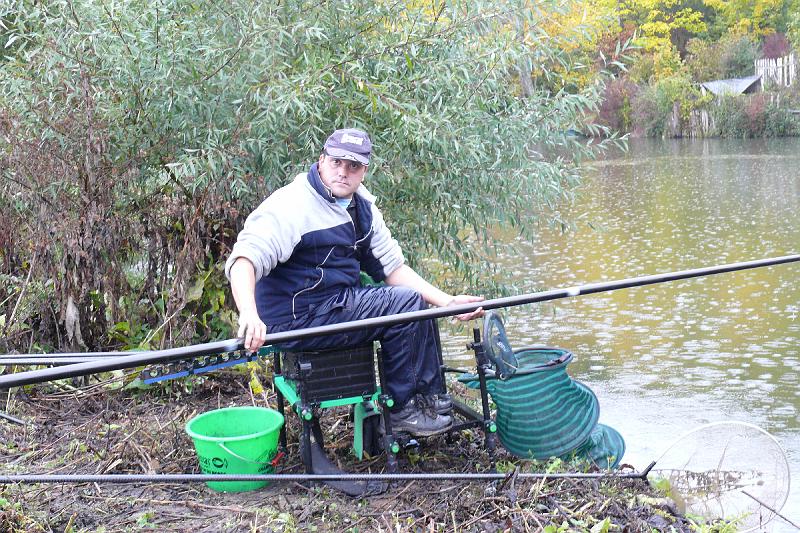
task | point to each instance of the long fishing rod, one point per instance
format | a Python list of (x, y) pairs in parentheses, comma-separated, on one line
[(232, 345)]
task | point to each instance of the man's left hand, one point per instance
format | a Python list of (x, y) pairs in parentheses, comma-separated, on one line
[(467, 299)]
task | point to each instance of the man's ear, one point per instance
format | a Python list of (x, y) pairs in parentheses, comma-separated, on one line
[(321, 158)]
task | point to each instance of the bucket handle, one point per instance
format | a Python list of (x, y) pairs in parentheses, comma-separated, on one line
[(274, 461)]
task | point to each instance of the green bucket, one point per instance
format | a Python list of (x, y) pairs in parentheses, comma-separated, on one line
[(236, 440)]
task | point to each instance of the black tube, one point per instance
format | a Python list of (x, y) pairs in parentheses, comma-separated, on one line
[(59, 358), (117, 363), (163, 356), (95, 355), (50, 360), (13, 419), (200, 478)]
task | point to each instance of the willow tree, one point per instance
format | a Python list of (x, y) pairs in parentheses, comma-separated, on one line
[(137, 135)]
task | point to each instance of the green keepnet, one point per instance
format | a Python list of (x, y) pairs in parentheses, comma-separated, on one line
[(542, 412)]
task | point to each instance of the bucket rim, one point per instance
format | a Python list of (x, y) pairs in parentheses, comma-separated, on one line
[(279, 421)]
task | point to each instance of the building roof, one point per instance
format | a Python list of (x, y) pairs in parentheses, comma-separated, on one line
[(732, 86)]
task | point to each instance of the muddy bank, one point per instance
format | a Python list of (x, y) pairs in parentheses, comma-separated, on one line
[(98, 429)]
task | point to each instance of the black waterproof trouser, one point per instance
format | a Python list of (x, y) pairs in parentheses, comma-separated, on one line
[(410, 356)]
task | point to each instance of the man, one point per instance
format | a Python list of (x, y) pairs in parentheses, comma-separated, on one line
[(297, 264)]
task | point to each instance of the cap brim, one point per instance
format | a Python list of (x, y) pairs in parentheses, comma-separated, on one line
[(345, 154)]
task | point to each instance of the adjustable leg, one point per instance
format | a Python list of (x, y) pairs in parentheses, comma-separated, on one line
[(276, 366), (359, 414), (390, 444), (437, 340), (305, 447), (489, 427), (438, 343), (310, 440), (317, 431)]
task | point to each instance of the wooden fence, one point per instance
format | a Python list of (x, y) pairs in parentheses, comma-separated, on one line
[(778, 71)]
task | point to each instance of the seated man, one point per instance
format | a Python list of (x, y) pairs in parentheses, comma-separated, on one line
[(297, 263)]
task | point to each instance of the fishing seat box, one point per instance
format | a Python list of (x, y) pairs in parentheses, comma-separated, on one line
[(312, 380), (330, 375)]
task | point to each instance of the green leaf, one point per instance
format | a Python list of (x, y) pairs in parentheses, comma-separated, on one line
[(602, 527), (195, 292)]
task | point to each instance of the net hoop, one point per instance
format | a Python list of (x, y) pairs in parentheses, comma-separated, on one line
[(770, 509)]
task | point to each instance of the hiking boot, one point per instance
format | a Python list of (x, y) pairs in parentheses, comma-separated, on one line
[(414, 420), (441, 404)]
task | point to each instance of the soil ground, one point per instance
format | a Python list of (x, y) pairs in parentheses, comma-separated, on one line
[(100, 429)]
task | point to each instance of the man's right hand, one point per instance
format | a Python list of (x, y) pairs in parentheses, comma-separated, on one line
[(253, 330), (243, 286)]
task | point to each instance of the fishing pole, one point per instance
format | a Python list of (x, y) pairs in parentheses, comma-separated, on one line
[(233, 345)]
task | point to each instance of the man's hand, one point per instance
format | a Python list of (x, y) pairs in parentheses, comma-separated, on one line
[(406, 276), (467, 299), (243, 286), (253, 330)]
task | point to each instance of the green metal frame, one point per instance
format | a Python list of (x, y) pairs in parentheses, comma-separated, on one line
[(364, 407), (351, 400), (288, 389)]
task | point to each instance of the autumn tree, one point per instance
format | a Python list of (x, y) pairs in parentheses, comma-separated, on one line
[(755, 17), (136, 136)]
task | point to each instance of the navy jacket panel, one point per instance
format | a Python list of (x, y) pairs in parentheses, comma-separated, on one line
[(306, 248)]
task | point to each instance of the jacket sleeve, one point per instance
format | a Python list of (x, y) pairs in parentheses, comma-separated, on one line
[(385, 255), (268, 237)]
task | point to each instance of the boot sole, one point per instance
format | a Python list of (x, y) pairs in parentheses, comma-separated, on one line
[(418, 433)]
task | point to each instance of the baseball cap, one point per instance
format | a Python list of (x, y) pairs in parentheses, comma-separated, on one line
[(351, 144)]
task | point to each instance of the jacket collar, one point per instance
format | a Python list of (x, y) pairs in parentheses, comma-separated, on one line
[(316, 183)]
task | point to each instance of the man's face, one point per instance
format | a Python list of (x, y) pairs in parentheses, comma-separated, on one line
[(341, 176)]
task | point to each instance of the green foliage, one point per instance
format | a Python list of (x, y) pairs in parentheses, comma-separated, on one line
[(702, 525), (643, 70), (144, 520), (661, 484), (793, 25), (702, 60), (748, 116), (20, 298), (754, 17), (603, 526), (552, 528), (136, 136), (733, 56), (737, 55), (15, 518), (616, 111), (667, 63), (10, 38), (703, 40), (730, 118), (655, 104), (668, 24)]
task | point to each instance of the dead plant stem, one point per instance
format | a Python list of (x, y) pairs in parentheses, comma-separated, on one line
[(21, 294)]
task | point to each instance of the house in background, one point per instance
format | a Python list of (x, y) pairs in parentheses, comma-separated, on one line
[(732, 87)]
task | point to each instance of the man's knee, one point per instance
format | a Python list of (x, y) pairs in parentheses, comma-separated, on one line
[(407, 299)]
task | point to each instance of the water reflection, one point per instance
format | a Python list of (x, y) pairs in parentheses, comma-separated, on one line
[(666, 357)]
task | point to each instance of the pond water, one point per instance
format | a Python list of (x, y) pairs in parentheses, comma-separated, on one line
[(667, 358)]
